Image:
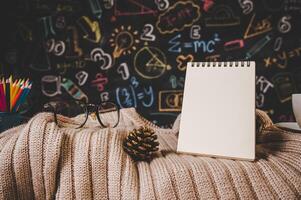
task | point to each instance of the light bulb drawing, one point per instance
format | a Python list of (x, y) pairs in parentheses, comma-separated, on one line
[(124, 40)]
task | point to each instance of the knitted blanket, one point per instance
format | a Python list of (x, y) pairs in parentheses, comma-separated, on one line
[(40, 160)]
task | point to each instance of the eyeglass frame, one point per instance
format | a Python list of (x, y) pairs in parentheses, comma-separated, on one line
[(89, 108)]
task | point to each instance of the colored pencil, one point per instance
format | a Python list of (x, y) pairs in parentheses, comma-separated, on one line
[(16, 90), (2, 107), (3, 81), (7, 95), (13, 93), (2, 87), (22, 98), (18, 96)]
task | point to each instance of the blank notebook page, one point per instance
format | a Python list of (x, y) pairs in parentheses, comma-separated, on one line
[(218, 112)]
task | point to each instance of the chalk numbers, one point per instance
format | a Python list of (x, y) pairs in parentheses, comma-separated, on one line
[(147, 33), (56, 47), (246, 5), (278, 43), (284, 25), (162, 4), (123, 70)]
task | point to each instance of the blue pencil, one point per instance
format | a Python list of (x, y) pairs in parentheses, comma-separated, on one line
[(22, 98)]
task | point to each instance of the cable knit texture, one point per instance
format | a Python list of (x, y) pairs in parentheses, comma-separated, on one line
[(40, 160)]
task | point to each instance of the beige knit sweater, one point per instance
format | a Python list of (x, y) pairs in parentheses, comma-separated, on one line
[(39, 160)]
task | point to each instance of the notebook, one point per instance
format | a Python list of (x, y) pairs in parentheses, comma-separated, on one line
[(218, 111)]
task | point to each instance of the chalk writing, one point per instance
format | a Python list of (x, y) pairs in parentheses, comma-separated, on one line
[(104, 59), (64, 8), (150, 63), (284, 26), (47, 26), (147, 33), (51, 85), (278, 43), (146, 97), (262, 87), (213, 58), (126, 97), (56, 47), (176, 45), (259, 100), (81, 77), (64, 66), (292, 6), (176, 82), (73, 50), (133, 50), (73, 90), (195, 32), (246, 5), (205, 46), (234, 45), (100, 81), (222, 16), (104, 96), (90, 28), (95, 7), (258, 46), (124, 41), (162, 4), (123, 70), (183, 60), (281, 59), (263, 83), (131, 95), (207, 5), (121, 8), (134, 81), (284, 86), (259, 28), (177, 17), (170, 100), (108, 4)]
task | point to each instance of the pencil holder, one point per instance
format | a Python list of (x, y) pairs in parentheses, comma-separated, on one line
[(9, 120)]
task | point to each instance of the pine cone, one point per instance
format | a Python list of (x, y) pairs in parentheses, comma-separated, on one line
[(141, 144)]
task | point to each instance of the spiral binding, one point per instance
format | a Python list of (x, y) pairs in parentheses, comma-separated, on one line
[(222, 64)]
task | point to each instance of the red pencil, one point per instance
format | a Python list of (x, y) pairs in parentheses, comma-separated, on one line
[(1, 97)]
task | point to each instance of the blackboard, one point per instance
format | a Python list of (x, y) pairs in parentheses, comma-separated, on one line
[(134, 52)]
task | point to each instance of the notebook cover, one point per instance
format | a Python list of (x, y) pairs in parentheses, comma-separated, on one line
[(218, 111)]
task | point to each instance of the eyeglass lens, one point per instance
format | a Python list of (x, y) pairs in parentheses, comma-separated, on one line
[(108, 114), (76, 110)]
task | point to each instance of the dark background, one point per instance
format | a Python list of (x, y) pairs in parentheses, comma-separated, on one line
[(133, 52)]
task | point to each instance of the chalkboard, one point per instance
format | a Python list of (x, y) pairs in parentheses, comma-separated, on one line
[(134, 52)]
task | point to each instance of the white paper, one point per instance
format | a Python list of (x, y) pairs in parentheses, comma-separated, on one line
[(218, 111)]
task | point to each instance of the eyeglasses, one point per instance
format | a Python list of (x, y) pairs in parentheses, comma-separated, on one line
[(107, 113)]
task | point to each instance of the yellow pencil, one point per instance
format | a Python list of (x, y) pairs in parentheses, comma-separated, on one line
[(11, 86), (18, 95), (10, 89), (14, 87), (17, 87)]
